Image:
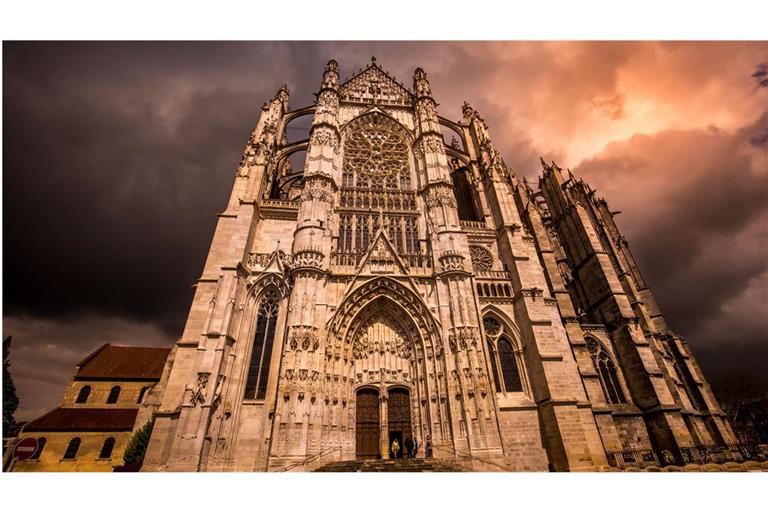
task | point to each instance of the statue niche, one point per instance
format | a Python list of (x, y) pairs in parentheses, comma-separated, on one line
[(383, 342)]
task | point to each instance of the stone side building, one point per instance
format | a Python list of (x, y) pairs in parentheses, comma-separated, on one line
[(105, 401), (401, 285)]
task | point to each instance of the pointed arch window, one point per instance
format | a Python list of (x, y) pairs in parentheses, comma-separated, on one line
[(82, 396), (606, 371), (411, 236), (506, 360), (345, 232), (509, 370), (261, 355)]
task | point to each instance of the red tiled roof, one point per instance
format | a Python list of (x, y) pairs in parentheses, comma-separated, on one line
[(115, 362), (83, 419)]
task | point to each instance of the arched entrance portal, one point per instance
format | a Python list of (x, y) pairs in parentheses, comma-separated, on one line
[(367, 424), (384, 339), (399, 417)]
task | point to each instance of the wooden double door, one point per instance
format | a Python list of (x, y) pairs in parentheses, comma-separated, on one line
[(368, 424)]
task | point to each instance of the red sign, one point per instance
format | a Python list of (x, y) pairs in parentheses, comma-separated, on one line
[(25, 448)]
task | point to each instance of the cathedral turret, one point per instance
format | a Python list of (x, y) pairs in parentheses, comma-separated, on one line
[(303, 352), (434, 164)]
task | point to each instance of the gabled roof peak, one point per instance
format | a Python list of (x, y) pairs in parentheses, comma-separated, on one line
[(375, 85)]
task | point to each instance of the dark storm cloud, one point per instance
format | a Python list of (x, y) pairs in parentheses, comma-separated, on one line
[(695, 204), (115, 165), (118, 155)]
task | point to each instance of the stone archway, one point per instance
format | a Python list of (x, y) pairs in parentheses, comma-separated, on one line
[(382, 347), (383, 337)]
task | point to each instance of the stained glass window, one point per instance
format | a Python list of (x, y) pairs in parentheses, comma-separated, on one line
[(606, 370), (506, 362), (258, 369)]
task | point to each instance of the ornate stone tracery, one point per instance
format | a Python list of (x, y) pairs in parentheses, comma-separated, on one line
[(507, 365), (375, 86), (482, 259), (375, 147), (303, 337), (382, 333)]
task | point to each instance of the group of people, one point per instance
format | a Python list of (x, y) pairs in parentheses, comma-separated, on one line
[(412, 447)]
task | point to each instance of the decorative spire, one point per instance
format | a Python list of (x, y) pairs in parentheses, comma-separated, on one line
[(468, 111), (421, 84), (282, 94), (331, 75)]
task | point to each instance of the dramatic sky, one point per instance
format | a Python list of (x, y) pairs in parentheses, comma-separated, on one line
[(116, 156)]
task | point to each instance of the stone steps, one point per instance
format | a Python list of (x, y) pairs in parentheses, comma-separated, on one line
[(390, 466)]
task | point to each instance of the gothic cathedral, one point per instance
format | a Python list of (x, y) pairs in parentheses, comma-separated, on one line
[(400, 286)]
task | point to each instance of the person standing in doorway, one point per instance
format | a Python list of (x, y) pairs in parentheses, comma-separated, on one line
[(409, 447), (428, 447), (395, 448), (415, 447)]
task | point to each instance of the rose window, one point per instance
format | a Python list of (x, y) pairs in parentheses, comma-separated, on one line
[(482, 259), (375, 151)]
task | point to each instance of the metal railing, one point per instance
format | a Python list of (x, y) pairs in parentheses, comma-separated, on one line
[(700, 454), (309, 459), (465, 455), (635, 458), (720, 454)]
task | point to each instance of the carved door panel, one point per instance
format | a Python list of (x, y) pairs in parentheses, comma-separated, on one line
[(400, 412), (367, 425)]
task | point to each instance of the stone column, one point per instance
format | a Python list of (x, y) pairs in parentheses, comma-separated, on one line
[(384, 423)]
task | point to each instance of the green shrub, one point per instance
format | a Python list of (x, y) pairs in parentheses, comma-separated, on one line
[(137, 446)]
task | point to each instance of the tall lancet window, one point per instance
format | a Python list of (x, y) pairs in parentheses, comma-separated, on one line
[(462, 189), (506, 361), (683, 375), (258, 369), (606, 370)]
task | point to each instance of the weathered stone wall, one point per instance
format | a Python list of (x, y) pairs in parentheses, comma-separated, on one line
[(87, 459), (128, 398)]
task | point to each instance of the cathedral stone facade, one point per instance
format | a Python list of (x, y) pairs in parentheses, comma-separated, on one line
[(401, 285)]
